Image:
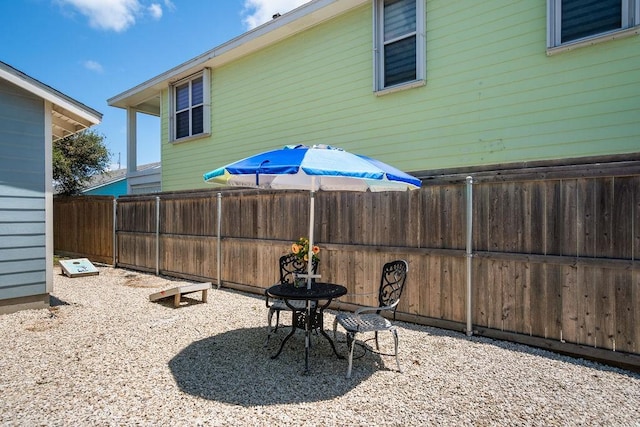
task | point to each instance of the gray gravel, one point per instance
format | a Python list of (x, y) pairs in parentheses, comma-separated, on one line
[(104, 355)]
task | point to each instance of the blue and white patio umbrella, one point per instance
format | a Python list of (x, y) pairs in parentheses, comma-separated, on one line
[(320, 167)]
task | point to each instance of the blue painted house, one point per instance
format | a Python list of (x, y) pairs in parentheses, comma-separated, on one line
[(116, 182), (32, 116)]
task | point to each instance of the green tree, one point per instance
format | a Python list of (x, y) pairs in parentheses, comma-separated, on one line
[(76, 159)]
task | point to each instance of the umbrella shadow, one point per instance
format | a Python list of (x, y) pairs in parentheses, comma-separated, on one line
[(234, 367)]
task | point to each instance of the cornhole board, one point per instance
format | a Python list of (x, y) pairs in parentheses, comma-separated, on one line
[(178, 291), (78, 267)]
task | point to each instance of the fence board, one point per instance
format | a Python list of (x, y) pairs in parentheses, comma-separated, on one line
[(570, 296)]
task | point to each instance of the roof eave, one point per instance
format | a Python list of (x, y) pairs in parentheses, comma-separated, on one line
[(66, 103), (295, 21)]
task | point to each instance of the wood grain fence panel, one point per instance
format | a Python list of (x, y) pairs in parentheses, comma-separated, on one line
[(359, 217), (481, 295), (496, 293), (431, 235), (137, 215), (417, 288), (458, 290), (605, 308), (538, 300), (632, 315), (635, 217), (481, 221), (434, 283), (512, 230), (414, 219), (554, 286), (528, 226), (570, 299), (453, 217), (509, 302), (495, 218), (622, 218), (586, 306), (229, 221), (569, 225), (189, 216), (537, 244), (83, 226), (137, 249), (553, 214), (586, 218), (604, 225), (189, 255), (446, 288), (522, 298)]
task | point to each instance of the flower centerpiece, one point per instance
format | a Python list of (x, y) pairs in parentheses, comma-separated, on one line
[(300, 249)]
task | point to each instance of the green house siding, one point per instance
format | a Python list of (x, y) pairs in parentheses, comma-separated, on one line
[(492, 96)]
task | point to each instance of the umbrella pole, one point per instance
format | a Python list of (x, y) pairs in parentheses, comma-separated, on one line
[(311, 222)]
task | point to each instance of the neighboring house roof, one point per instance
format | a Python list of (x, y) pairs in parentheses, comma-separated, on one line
[(111, 177), (146, 96), (68, 116)]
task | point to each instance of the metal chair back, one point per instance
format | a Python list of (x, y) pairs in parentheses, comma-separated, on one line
[(394, 275), (290, 265)]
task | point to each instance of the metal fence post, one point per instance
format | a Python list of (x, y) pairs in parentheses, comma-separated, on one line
[(157, 235), (115, 229), (219, 272), (469, 254)]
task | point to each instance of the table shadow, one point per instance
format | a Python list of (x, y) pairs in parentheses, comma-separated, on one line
[(234, 367)]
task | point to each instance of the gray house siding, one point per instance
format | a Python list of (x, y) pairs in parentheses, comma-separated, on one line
[(22, 193)]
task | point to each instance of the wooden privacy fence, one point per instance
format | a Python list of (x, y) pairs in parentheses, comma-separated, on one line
[(84, 226), (554, 260)]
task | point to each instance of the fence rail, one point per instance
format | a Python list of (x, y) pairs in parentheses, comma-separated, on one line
[(554, 260)]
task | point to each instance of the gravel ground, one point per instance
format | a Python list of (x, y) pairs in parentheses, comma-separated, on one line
[(103, 354)]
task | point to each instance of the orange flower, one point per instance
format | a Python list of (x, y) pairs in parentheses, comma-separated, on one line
[(295, 248), (316, 249)]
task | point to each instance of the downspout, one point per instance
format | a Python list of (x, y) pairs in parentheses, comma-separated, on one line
[(219, 272), (469, 253)]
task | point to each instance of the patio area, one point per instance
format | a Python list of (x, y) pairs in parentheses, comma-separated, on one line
[(103, 354)]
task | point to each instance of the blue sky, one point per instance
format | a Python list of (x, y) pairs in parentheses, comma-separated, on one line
[(92, 50)]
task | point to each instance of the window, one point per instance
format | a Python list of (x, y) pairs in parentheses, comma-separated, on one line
[(190, 106), (572, 22), (399, 44)]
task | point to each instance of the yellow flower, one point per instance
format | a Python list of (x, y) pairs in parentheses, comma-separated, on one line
[(295, 248)]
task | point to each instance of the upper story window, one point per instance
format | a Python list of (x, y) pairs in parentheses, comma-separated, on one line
[(575, 22), (190, 111), (399, 44)]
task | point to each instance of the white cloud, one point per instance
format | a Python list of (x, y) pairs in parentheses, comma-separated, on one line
[(115, 15), (169, 5), (155, 10), (93, 66), (257, 12)]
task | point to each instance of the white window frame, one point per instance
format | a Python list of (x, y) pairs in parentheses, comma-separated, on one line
[(379, 43), (630, 27), (206, 106)]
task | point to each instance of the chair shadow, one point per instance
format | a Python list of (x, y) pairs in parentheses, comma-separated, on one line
[(234, 367)]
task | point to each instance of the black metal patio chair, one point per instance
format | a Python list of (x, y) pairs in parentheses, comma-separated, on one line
[(290, 267), (369, 319)]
